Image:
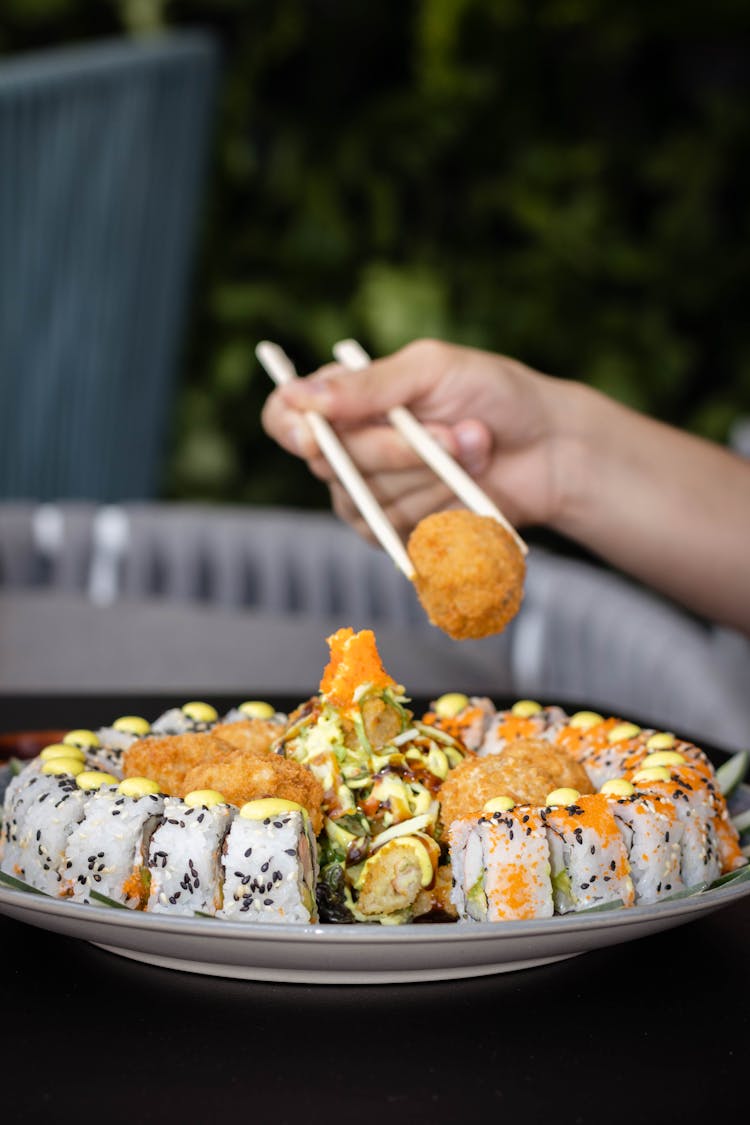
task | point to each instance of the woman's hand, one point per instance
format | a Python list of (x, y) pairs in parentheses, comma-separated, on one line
[(663, 505), (505, 423)]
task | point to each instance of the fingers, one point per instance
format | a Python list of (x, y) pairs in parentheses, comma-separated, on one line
[(376, 449), (352, 396)]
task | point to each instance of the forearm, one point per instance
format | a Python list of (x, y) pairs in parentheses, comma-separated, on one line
[(669, 508)]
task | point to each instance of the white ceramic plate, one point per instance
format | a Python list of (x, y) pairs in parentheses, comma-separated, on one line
[(353, 954), (359, 954)]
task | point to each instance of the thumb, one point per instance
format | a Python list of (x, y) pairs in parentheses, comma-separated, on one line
[(353, 396)]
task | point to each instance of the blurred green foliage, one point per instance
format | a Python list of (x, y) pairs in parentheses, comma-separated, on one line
[(565, 181)]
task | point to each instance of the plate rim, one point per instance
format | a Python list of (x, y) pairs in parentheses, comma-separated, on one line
[(357, 933)]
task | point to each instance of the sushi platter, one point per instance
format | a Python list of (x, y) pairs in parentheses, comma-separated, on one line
[(365, 838)]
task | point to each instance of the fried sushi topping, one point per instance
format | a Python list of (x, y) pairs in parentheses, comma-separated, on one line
[(469, 573), (525, 771)]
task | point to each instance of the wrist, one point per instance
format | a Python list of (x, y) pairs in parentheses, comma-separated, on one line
[(580, 430)]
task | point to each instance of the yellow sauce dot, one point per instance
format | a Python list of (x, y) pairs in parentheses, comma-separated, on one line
[(450, 704), (60, 750), (663, 758), (499, 804), (138, 787), (617, 787), (257, 709), (662, 740), (55, 766), (200, 712), (623, 731), (81, 738), (132, 724), (94, 779), (525, 708), (562, 797), (204, 798), (651, 773), (268, 806), (583, 720)]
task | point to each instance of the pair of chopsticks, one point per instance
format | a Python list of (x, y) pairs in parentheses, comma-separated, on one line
[(351, 355)]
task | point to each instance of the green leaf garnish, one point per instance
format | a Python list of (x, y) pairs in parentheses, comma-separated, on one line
[(615, 904), (19, 885), (107, 901)]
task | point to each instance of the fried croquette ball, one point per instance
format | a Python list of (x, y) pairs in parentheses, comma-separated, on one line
[(249, 734), (469, 573), (168, 760), (247, 775), (526, 770)]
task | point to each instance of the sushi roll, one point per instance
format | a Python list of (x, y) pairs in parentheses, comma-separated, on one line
[(44, 814), (696, 805), (652, 833), (97, 756), (601, 746), (184, 856), (191, 718), (19, 796), (51, 817), (501, 868), (256, 709), (270, 864), (108, 850), (114, 740), (587, 853), (24, 790), (466, 719), (525, 719)]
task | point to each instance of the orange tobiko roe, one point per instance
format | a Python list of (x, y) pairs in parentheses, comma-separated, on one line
[(354, 661)]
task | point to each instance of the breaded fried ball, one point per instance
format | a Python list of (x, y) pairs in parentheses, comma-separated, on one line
[(246, 775), (526, 770), (249, 734), (168, 760), (469, 573)]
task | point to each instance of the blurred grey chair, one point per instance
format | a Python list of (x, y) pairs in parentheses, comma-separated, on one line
[(102, 153), (172, 596)]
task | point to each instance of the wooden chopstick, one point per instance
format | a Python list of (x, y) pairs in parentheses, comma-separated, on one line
[(352, 355), (281, 369)]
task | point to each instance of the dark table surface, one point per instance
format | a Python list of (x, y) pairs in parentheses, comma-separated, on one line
[(652, 1030)]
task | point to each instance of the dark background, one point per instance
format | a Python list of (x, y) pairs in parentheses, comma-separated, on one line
[(565, 181)]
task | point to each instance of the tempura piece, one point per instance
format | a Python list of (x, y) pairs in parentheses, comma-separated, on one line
[(247, 775), (469, 573), (168, 760), (249, 734), (526, 770)]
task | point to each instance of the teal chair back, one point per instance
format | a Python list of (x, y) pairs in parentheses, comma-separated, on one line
[(102, 154)]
